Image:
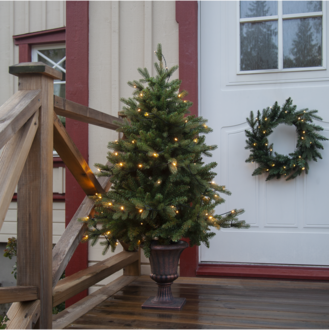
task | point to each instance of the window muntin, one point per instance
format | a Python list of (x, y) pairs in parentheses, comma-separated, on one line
[(273, 41), (54, 56)]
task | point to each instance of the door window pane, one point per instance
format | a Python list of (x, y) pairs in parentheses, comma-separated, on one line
[(302, 42), (300, 7), (259, 45), (258, 8)]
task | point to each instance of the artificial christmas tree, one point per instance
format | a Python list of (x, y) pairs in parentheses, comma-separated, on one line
[(161, 189)]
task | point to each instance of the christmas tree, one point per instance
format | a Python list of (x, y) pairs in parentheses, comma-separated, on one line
[(161, 189)]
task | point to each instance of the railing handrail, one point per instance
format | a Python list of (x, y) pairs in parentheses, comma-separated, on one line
[(19, 125)]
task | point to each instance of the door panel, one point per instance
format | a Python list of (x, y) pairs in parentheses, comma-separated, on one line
[(288, 220)]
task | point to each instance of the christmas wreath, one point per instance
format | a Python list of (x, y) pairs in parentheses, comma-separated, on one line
[(307, 148)]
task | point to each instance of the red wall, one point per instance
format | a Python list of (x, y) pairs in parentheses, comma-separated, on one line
[(77, 68)]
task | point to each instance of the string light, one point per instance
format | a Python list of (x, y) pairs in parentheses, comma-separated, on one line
[(210, 218), (271, 149), (174, 163), (216, 196), (206, 214), (116, 141), (265, 118), (133, 141), (195, 140), (232, 211), (110, 204), (140, 211), (299, 156), (302, 137), (141, 94), (121, 164), (303, 168), (122, 208), (223, 187), (98, 169), (146, 114), (158, 182), (284, 167), (140, 165), (186, 121), (298, 118), (155, 155), (108, 233), (185, 101), (142, 223), (303, 132), (310, 142), (212, 182), (294, 165), (139, 110), (85, 237), (273, 165), (116, 154), (175, 139), (179, 95), (177, 212), (255, 144), (286, 111), (135, 86), (116, 243), (205, 126), (267, 170), (264, 132), (266, 144), (85, 218)]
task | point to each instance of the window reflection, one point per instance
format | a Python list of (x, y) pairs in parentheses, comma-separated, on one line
[(259, 45), (299, 7), (302, 42), (258, 8)]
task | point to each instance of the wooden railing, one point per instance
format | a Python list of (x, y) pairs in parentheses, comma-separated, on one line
[(29, 130)]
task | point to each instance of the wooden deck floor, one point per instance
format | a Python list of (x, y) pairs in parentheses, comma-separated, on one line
[(216, 303)]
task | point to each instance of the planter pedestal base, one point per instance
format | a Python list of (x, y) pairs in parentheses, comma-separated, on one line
[(176, 304)]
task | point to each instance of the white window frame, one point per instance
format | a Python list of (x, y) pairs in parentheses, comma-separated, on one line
[(34, 57), (35, 53), (279, 18)]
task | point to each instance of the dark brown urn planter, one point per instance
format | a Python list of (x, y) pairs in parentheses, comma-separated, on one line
[(164, 262)]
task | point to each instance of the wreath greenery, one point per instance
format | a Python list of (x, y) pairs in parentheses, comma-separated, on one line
[(307, 148)]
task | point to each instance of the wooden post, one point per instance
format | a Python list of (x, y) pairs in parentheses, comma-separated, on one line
[(35, 193)]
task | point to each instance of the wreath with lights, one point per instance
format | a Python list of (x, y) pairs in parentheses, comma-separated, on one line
[(307, 148)]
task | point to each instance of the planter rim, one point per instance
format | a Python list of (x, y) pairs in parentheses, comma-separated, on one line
[(174, 246)]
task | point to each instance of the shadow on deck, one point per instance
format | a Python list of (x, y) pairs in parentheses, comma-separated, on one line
[(216, 303)]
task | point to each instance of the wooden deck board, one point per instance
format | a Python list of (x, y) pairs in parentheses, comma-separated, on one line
[(215, 304)]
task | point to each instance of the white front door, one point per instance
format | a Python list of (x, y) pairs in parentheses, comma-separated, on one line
[(289, 220)]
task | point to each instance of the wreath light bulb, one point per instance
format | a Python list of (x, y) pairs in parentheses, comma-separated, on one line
[(264, 132), (266, 144), (232, 211), (146, 114), (108, 233), (303, 168), (110, 204), (140, 211), (116, 154), (140, 165), (122, 208), (255, 144), (175, 139), (195, 140), (155, 154), (174, 163), (141, 94), (121, 164), (139, 110)]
